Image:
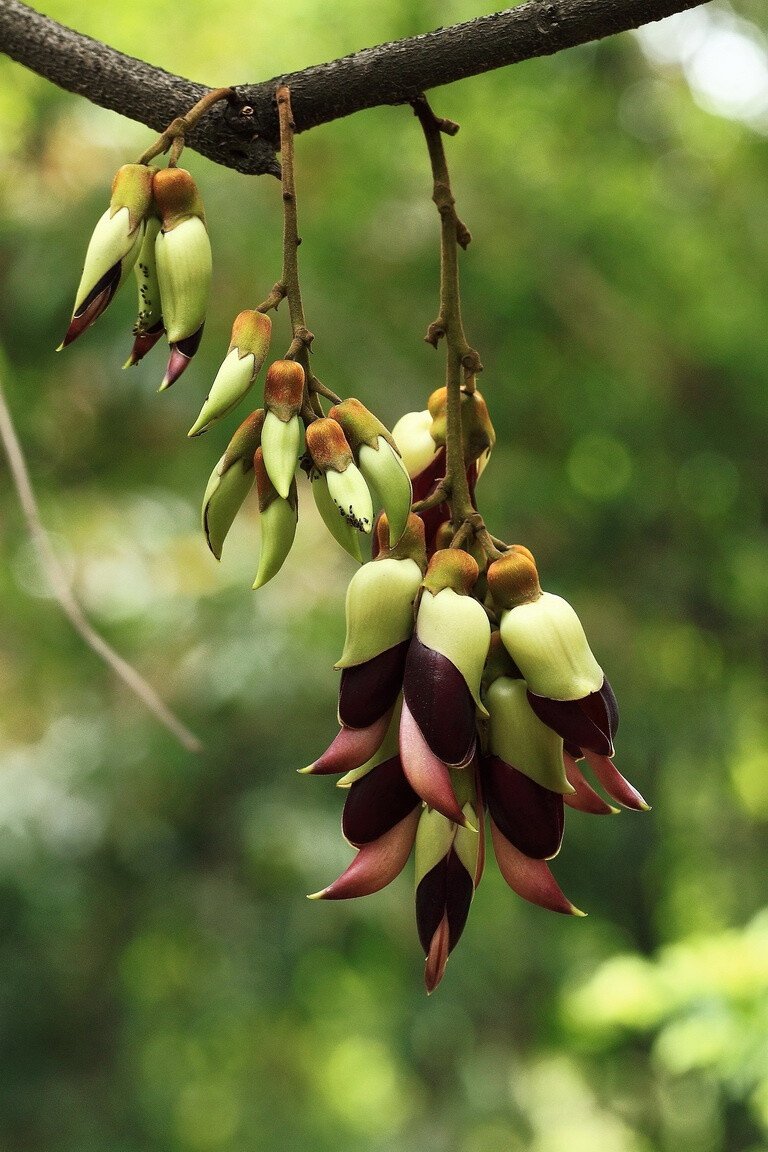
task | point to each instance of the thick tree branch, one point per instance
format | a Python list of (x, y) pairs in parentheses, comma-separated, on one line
[(244, 135)]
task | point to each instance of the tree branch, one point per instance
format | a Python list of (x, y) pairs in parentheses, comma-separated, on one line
[(245, 134)]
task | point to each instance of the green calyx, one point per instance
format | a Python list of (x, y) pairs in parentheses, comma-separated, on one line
[(360, 426), (132, 189), (227, 488), (546, 640), (379, 609)]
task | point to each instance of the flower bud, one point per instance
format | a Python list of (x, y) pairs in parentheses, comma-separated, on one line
[(379, 609), (342, 532), (332, 456), (113, 248), (513, 579), (281, 435), (547, 642), (278, 523), (149, 326), (451, 621), (410, 546), (379, 461), (230, 482), (247, 351), (183, 253), (520, 739)]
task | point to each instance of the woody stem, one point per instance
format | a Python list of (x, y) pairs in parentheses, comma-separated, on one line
[(461, 361)]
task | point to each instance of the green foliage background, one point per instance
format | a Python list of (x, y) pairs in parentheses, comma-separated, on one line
[(164, 983)]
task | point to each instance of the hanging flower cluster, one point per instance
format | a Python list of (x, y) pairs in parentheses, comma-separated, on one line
[(464, 688), (155, 227)]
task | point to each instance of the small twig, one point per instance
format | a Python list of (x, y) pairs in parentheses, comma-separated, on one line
[(439, 496), (174, 134), (62, 591), (275, 298)]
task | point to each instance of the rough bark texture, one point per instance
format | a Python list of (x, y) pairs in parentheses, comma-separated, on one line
[(388, 74)]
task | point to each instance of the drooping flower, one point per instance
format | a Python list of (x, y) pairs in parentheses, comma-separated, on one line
[(247, 351), (231, 481), (281, 434), (149, 326), (379, 612), (183, 254), (441, 690), (332, 457), (278, 522), (379, 461), (113, 248)]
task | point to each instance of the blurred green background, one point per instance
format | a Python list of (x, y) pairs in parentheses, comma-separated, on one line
[(164, 983)]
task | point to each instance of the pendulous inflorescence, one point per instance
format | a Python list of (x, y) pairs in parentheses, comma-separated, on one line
[(465, 688)]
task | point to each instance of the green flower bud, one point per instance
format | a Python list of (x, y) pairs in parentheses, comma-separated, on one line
[(281, 445), (226, 491), (386, 476), (379, 609), (518, 736), (546, 640), (247, 351), (278, 523), (332, 455), (230, 482), (184, 275), (339, 528)]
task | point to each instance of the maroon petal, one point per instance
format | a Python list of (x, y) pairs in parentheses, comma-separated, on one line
[(615, 785), (437, 956), (144, 342), (427, 775), (369, 689), (446, 890), (530, 816), (481, 825), (441, 703), (587, 723), (181, 354), (423, 482), (531, 879), (94, 304), (376, 864), (376, 802), (585, 799), (351, 748)]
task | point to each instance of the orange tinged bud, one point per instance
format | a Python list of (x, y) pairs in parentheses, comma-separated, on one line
[(176, 197), (328, 445), (410, 546), (514, 580), (284, 389), (451, 568), (359, 424)]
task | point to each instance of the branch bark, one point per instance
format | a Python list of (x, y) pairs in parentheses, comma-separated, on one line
[(244, 135)]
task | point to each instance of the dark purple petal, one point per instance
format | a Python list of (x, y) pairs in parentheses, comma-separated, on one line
[(351, 748), (440, 703), (367, 690), (94, 304), (615, 785), (584, 799), (145, 342), (427, 775), (376, 864), (376, 802), (424, 482), (531, 879), (586, 723), (446, 890), (181, 354), (431, 897), (530, 816)]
